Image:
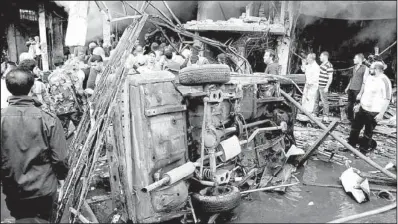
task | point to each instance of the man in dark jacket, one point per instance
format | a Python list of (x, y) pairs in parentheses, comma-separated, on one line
[(33, 151)]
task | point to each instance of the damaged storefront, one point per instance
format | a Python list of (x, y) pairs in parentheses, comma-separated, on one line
[(344, 29), (24, 20)]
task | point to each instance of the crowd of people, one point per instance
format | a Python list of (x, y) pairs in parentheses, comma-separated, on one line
[(369, 93), (157, 53), (38, 107)]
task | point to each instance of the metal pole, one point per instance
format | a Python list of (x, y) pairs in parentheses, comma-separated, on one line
[(171, 12), (232, 129), (268, 188), (365, 214), (348, 146)]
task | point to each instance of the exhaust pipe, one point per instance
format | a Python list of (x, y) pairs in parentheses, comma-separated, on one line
[(155, 185), (172, 176)]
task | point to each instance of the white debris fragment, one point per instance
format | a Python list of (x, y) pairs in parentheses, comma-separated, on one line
[(311, 203), (355, 184), (294, 151)]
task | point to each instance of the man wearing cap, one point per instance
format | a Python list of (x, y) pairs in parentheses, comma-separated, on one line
[(195, 59), (99, 51), (91, 47), (375, 96)]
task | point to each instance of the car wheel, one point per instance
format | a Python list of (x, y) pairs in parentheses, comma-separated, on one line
[(197, 75), (217, 199)]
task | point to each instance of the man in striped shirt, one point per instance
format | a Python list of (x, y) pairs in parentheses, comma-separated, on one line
[(325, 79), (375, 96)]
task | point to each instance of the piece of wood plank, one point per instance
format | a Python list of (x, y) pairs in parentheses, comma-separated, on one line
[(317, 143), (380, 180)]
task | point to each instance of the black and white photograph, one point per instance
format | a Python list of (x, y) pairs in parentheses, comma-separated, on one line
[(198, 112)]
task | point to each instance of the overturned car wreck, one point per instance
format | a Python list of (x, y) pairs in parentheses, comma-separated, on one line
[(205, 135)]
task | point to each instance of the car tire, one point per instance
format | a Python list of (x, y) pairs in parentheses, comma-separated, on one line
[(203, 74), (227, 200)]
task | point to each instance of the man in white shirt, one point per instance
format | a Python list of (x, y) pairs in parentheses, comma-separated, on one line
[(375, 96), (312, 71), (38, 52)]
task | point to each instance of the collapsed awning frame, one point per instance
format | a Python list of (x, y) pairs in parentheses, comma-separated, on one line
[(165, 22)]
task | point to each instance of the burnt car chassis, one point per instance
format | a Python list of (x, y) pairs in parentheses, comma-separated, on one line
[(234, 130)]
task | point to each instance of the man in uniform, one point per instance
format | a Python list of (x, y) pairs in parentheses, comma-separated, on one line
[(65, 88)]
